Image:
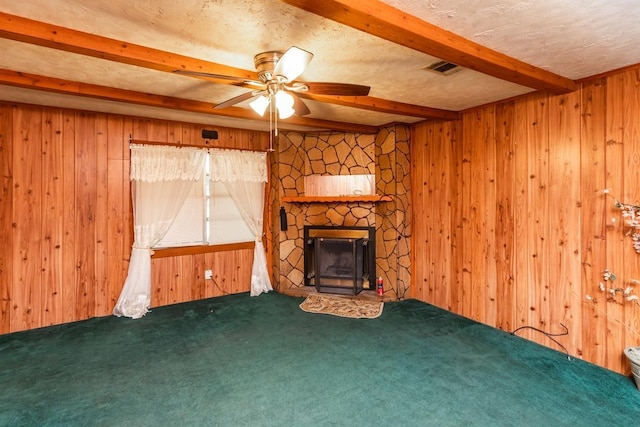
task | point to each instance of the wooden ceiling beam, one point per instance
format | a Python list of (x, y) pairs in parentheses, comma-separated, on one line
[(382, 105), (384, 21), (52, 36), (66, 87)]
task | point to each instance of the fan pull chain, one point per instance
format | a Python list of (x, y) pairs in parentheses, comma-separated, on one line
[(273, 124), (275, 118)]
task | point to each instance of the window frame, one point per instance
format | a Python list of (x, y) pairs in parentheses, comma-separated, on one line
[(199, 249)]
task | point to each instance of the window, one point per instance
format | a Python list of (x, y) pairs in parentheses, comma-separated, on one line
[(208, 217), (227, 225)]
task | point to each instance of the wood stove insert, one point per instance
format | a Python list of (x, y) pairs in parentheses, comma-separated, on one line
[(339, 259)]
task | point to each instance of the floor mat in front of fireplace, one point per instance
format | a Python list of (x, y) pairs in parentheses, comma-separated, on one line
[(342, 306)]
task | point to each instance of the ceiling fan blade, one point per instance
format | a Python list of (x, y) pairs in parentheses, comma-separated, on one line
[(209, 75), (237, 81), (340, 89), (251, 84), (238, 99), (292, 63), (299, 106)]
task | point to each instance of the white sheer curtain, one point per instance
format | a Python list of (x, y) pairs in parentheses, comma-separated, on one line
[(161, 178), (244, 174)]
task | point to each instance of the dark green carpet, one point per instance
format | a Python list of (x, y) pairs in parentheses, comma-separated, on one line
[(242, 361)]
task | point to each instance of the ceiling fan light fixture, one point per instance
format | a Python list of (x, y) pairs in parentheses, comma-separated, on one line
[(260, 104), (284, 104), (285, 113)]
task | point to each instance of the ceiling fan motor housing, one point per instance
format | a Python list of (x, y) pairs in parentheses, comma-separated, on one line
[(265, 63)]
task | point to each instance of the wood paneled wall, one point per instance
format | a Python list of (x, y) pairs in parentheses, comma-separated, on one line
[(66, 218), (511, 227)]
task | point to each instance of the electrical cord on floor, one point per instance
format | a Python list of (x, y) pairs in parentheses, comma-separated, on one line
[(215, 282), (549, 335)]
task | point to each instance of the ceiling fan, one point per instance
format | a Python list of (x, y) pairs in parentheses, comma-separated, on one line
[(277, 88)]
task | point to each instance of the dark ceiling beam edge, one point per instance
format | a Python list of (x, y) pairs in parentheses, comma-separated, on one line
[(52, 36), (66, 87), (384, 21)]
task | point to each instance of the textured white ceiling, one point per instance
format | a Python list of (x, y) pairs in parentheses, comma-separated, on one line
[(571, 38)]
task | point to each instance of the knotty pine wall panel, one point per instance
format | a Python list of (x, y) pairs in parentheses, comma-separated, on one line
[(442, 191), (631, 144), (52, 216), (505, 255), (522, 180), (529, 229), (101, 220), (538, 239), (614, 178), (66, 222), (85, 191), (69, 238), (593, 159), (6, 215), (459, 168), (420, 181), (27, 290), (565, 216), (118, 210)]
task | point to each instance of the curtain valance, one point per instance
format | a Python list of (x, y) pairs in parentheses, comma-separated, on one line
[(153, 163), (235, 165)]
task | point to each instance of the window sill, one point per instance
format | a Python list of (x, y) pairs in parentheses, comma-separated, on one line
[(194, 250)]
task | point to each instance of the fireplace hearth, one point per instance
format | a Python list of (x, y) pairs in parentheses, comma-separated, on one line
[(339, 259)]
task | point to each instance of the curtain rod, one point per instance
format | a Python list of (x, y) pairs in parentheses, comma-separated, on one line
[(176, 144)]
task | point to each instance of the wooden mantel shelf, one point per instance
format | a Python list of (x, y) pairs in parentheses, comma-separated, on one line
[(373, 198)]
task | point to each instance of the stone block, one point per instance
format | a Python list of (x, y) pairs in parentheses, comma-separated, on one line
[(342, 151), (298, 163), (296, 277), (314, 154), (360, 212), (363, 222), (287, 158), (288, 183), (284, 169), (384, 162), (349, 220), (286, 247), (335, 138), (334, 169), (335, 218), (388, 146), (296, 257), (329, 155), (296, 139), (386, 176), (316, 209), (342, 209), (318, 167), (318, 219)]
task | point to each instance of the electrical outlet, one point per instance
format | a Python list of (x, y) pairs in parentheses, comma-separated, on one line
[(208, 274)]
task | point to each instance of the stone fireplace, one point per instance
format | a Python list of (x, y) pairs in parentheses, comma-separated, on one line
[(303, 163)]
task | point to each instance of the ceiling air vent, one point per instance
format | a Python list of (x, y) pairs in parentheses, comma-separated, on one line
[(442, 67)]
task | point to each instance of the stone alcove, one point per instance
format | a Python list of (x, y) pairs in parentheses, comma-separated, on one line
[(384, 155)]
